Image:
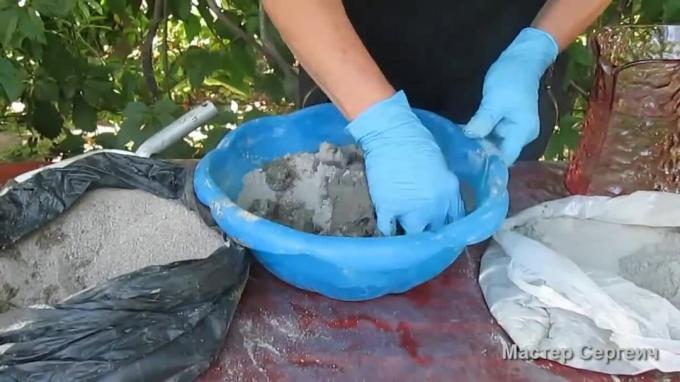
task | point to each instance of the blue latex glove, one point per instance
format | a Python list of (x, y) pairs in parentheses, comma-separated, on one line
[(408, 179), (508, 114)]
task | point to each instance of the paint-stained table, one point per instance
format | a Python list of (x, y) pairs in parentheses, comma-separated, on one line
[(439, 331)]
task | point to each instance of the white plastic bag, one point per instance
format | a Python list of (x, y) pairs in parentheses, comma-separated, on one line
[(594, 280)]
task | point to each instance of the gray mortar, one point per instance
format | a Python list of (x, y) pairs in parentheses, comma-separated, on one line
[(107, 233), (324, 192)]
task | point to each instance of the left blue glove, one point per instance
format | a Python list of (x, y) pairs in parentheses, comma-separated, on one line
[(508, 114)]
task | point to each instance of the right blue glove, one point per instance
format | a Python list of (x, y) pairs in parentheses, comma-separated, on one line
[(408, 179), (508, 113)]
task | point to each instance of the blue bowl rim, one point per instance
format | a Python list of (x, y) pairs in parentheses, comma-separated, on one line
[(260, 234)]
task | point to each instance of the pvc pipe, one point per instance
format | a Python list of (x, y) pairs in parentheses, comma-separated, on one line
[(177, 130)]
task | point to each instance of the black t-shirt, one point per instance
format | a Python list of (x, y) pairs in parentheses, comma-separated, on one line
[(438, 52)]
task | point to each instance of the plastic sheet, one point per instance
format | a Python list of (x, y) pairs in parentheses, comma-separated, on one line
[(591, 274), (631, 135), (158, 323)]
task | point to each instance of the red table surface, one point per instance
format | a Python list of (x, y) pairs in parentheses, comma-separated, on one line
[(439, 331), (10, 170)]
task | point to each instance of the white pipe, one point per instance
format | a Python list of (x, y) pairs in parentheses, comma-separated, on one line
[(177, 130)]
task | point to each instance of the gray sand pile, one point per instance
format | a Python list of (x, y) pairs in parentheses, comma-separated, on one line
[(107, 233), (324, 192)]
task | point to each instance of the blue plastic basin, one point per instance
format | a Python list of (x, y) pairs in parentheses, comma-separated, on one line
[(346, 268)]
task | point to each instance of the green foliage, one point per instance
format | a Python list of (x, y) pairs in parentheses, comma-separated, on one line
[(54, 8), (581, 62), (76, 65), (11, 80)]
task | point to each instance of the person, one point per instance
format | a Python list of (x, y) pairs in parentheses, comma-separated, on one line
[(368, 55)]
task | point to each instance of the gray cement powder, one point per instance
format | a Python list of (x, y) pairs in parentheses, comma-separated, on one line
[(648, 257), (324, 192), (107, 233), (657, 272)]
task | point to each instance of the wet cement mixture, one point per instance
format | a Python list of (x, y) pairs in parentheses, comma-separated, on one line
[(107, 233), (324, 193)]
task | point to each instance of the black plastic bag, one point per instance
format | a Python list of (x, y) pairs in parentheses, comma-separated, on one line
[(158, 323)]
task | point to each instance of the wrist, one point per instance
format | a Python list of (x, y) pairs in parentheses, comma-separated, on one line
[(362, 101), (382, 116), (535, 45)]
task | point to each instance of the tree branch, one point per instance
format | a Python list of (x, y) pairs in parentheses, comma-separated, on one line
[(268, 50), (147, 49), (166, 63)]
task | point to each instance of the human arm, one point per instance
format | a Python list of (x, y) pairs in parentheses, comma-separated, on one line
[(322, 38), (508, 113), (564, 20), (408, 178)]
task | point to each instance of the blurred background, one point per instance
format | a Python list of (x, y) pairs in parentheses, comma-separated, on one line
[(82, 74)]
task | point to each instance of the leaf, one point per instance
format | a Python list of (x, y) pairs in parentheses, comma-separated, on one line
[(9, 19), (215, 136), (57, 60), (136, 6), (566, 137), (34, 48), (554, 149), (18, 24), (94, 4), (671, 12), (204, 11), (135, 114), (271, 85), (46, 119), (181, 9), (11, 80), (199, 63), (107, 140), (70, 86), (117, 6), (651, 11), (241, 60), (142, 121), (84, 9), (222, 30), (179, 150), (237, 85), (100, 72), (133, 129), (129, 84), (252, 25), (254, 114), (580, 54), (164, 111), (31, 26), (579, 67), (72, 144), (248, 7), (192, 27), (99, 93), (224, 116), (54, 8), (7, 3), (46, 89), (84, 115)]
